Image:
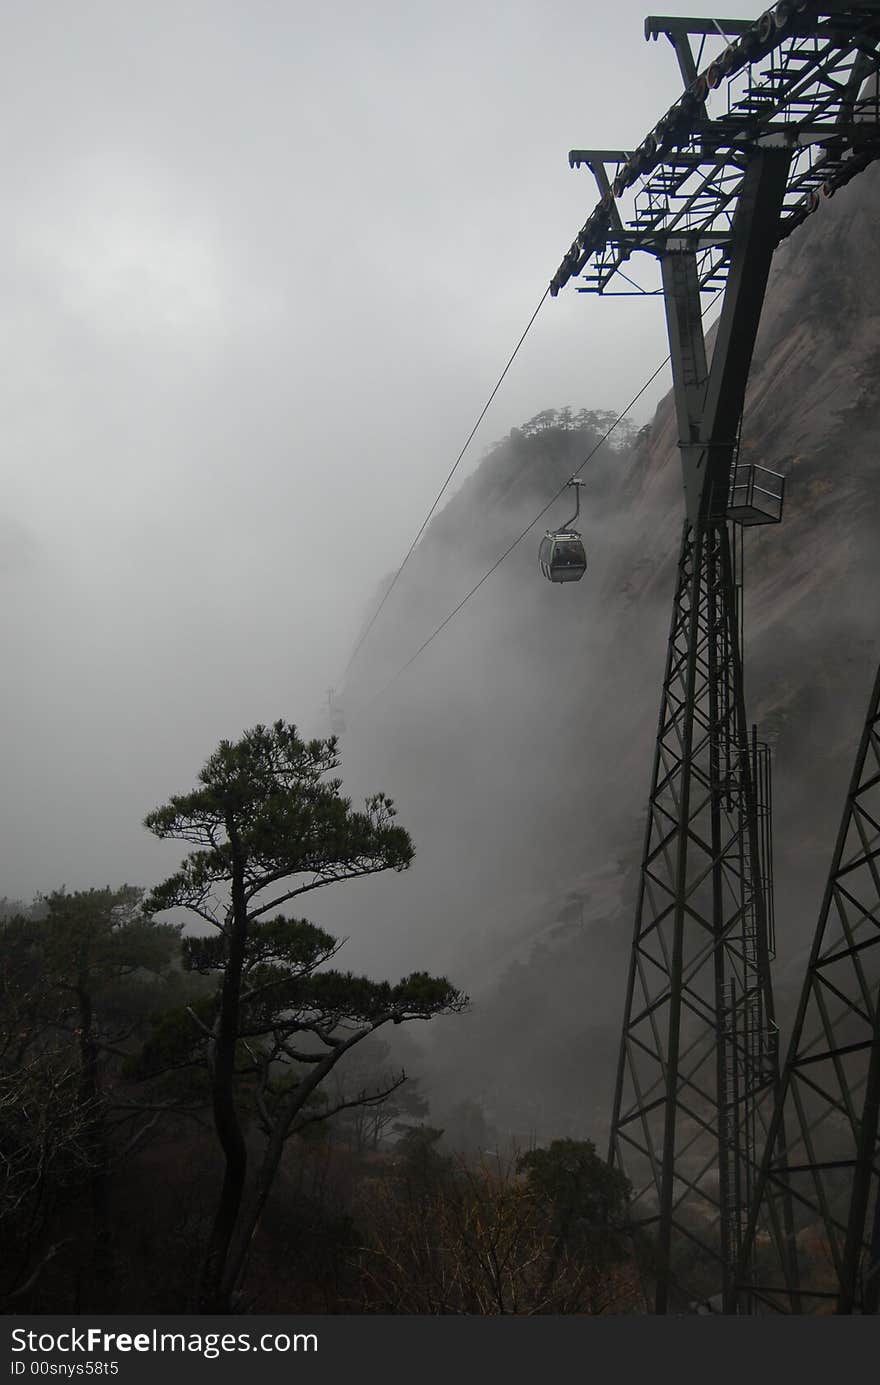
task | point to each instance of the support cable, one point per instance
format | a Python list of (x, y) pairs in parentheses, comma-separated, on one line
[(499, 382), (529, 527)]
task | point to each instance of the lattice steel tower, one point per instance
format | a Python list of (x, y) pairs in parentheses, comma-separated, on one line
[(697, 1083), (698, 1050), (828, 1170)]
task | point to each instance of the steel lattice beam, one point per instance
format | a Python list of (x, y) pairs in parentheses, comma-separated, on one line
[(829, 1168), (698, 1054), (803, 76)]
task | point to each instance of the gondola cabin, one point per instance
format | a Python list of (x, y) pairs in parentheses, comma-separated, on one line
[(562, 556)]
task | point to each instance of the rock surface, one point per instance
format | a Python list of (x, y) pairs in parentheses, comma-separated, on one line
[(520, 742)]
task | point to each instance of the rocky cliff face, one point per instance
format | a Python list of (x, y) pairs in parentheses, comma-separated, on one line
[(519, 744)]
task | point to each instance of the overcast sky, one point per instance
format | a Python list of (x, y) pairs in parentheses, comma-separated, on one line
[(261, 264)]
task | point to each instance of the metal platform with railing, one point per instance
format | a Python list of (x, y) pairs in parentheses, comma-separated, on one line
[(756, 495)]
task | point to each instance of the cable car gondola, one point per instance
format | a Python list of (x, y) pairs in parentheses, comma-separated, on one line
[(562, 554)]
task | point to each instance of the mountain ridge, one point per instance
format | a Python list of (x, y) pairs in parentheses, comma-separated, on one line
[(536, 697)]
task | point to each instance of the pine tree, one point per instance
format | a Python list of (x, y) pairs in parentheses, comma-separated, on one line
[(267, 825)]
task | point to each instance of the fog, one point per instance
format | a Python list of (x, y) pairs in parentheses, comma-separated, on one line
[(499, 744), (260, 268), (519, 742)]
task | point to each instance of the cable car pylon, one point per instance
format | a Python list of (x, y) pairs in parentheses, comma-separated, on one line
[(828, 1170), (335, 713), (717, 183), (698, 1059)]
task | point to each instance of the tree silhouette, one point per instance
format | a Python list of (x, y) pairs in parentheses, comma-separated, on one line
[(268, 825)]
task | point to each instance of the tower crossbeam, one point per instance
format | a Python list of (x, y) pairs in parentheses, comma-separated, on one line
[(804, 76)]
